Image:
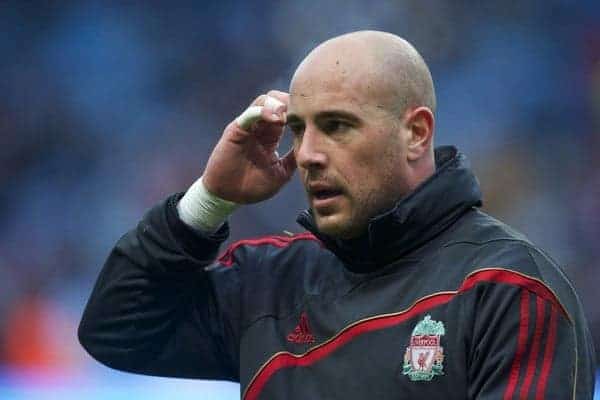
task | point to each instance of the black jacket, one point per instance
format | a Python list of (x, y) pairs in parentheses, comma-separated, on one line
[(437, 301)]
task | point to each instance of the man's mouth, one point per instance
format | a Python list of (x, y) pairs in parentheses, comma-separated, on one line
[(324, 196)]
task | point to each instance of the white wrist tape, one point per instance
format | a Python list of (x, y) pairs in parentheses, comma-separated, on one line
[(202, 210)]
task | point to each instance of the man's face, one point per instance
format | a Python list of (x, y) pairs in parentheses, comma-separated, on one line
[(349, 149)]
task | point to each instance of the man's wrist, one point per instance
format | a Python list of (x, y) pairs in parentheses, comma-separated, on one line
[(202, 210)]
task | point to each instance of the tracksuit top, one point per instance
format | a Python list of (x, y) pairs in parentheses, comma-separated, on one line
[(437, 300)]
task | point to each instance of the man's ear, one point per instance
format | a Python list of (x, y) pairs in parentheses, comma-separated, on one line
[(420, 124)]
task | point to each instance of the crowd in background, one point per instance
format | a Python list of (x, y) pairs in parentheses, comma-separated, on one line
[(108, 107)]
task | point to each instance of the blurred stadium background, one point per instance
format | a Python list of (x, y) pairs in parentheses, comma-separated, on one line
[(108, 107)]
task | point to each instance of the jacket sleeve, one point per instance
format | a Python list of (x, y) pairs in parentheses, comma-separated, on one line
[(523, 346), (154, 309)]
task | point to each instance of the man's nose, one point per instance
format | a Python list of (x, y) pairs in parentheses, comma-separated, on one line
[(310, 150)]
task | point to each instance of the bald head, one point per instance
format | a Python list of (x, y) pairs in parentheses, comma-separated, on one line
[(380, 67), (361, 114)]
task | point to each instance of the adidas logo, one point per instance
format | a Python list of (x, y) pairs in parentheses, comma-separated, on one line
[(301, 333)]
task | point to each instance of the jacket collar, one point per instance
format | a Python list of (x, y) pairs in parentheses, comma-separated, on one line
[(416, 219)]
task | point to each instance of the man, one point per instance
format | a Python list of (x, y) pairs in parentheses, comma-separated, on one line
[(402, 288)]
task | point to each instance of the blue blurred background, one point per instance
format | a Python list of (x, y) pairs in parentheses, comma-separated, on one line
[(108, 107)]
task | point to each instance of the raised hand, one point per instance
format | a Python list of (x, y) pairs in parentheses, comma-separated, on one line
[(244, 166)]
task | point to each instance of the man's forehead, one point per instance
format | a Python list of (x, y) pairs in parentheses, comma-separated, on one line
[(309, 83), (342, 78), (311, 101), (336, 93)]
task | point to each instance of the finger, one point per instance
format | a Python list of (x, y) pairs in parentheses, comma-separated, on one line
[(279, 95), (259, 101), (289, 163), (264, 107), (275, 101), (267, 134), (282, 97), (251, 115), (273, 110)]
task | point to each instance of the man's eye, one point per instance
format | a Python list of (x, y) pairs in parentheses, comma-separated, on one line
[(334, 126)]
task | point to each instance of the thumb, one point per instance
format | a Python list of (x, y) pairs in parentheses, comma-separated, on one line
[(288, 162)]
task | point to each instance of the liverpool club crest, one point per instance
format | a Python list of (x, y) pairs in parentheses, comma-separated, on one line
[(424, 356)]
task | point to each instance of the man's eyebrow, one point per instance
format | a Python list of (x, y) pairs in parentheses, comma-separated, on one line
[(328, 114), (341, 114)]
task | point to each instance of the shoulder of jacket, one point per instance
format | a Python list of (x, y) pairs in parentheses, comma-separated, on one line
[(507, 257), (488, 242), (479, 227)]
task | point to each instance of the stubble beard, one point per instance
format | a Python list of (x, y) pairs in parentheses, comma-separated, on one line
[(369, 203), (363, 208)]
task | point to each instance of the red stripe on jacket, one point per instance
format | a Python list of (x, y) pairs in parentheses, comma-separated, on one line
[(513, 377), (227, 258), (535, 347), (540, 390)]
